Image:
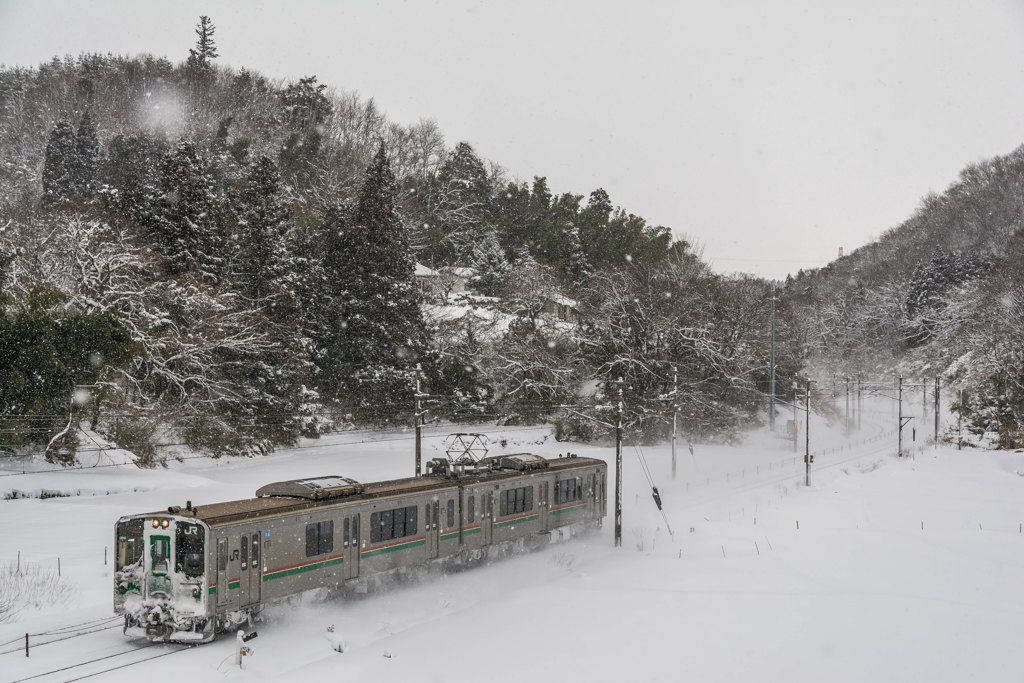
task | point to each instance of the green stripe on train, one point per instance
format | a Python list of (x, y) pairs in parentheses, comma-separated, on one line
[(393, 548), (508, 522), (570, 509), (304, 568)]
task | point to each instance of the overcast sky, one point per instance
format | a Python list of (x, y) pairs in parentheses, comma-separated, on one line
[(771, 132)]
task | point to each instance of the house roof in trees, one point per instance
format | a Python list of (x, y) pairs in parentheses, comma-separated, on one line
[(423, 271)]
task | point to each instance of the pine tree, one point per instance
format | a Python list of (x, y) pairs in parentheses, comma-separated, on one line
[(131, 176), (264, 224), (200, 58), (87, 158), (594, 228), (199, 65), (379, 333), (61, 165), (490, 265), (187, 227), (459, 205), (577, 266), (304, 104)]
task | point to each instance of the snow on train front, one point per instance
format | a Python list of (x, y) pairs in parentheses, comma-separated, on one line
[(160, 582)]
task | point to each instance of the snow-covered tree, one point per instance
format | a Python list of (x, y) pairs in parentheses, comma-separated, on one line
[(87, 158), (187, 227), (60, 170), (378, 333), (200, 58), (489, 265)]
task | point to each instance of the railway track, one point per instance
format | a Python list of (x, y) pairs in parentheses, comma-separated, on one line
[(60, 634), (100, 665), (100, 659)]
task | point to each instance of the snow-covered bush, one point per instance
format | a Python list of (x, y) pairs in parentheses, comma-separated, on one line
[(30, 587)]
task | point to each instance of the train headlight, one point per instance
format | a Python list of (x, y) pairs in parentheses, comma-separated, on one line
[(165, 523), (156, 523)]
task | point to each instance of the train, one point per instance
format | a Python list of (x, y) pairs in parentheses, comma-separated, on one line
[(185, 574)]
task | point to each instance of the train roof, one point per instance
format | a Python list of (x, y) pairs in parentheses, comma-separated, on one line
[(314, 492)]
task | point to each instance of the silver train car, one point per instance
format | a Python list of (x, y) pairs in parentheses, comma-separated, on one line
[(186, 574)]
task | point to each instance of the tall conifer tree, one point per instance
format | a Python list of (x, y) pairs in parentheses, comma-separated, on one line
[(60, 165), (87, 157), (187, 227), (379, 333)]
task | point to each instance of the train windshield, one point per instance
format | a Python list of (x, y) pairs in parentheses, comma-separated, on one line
[(189, 549), (129, 543)]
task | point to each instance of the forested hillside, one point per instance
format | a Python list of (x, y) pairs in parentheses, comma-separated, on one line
[(940, 294), (197, 255)]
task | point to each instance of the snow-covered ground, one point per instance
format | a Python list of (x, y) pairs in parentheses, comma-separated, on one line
[(882, 570)]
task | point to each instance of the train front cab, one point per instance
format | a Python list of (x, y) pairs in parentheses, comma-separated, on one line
[(160, 583)]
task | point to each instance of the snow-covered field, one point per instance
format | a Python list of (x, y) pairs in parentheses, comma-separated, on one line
[(881, 570)]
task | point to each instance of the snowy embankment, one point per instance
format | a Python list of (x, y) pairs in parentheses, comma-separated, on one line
[(883, 569)]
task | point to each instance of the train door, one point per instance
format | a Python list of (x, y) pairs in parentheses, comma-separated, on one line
[(350, 547), (248, 559), (222, 571), (487, 515), (591, 490), (251, 581), (159, 565), (432, 510), (232, 584), (542, 504), (599, 492)]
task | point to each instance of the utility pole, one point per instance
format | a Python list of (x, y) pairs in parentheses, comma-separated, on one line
[(959, 422), (807, 431), (937, 406), (860, 402), (896, 381), (924, 399), (419, 424), (796, 427), (847, 404), (675, 415), (618, 469), (899, 441), (771, 390)]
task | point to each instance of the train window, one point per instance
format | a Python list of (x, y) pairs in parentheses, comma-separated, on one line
[(326, 543), (189, 549), (319, 538), (514, 501), (344, 542), (255, 550), (451, 514), (160, 549), (244, 545), (129, 543), (311, 540), (399, 529), (568, 490), (222, 554), (355, 529), (471, 512), (398, 523)]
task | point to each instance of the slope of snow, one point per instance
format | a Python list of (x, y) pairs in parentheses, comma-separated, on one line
[(883, 569)]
